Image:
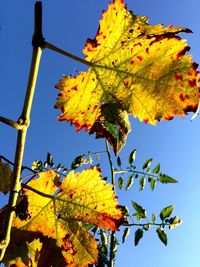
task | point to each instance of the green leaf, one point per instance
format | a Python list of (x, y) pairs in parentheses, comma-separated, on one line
[(36, 165), (45, 164), (147, 227), (111, 128), (115, 245), (119, 163), (105, 178), (104, 239), (142, 183), (65, 170), (156, 169), (50, 159), (125, 234), (138, 236), (59, 167), (153, 218), (88, 226), (95, 229), (103, 257), (130, 182), (132, 156), (166, 212), (77, 162), (152, 183), (165, 179), (148, 170), (162, 235), (124, 210), (141, 212), (174, 222), (120, 182), (147, 164)]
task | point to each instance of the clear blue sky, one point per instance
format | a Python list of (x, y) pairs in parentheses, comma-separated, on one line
[(175, 144)]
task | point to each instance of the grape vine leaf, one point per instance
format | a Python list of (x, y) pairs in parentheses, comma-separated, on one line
[(22, 250), (135, 68), (58, 214), (19, 256)]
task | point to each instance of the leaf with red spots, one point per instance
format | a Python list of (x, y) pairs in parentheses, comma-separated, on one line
[(59, 213), (135, 68)]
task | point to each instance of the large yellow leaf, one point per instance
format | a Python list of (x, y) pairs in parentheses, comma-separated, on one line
[(80, 199), (137, 69)]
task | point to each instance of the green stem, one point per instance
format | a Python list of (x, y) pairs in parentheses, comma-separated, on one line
[(67, 54), (144, 224), (23, 167), (96, 153), (112, 237), (111, 165), (11, 123), (7, 160), (24, 120), (135, 172)]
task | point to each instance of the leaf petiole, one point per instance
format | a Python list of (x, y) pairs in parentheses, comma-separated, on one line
[(67, 54)]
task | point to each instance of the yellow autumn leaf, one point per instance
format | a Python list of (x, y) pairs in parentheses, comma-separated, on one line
[(34, 249), (135, 68), (17, 263), (59, 213)]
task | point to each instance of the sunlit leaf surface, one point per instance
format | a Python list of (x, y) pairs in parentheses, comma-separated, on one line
[(58, 214), (137, 69)]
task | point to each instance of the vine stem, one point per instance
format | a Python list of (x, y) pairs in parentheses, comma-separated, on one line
[(21, 138), (93, 64), (67, 54), (112, 237), (111, 165), (23, 167), (144, 224), (135, 172), (24, 120), (11, 123)]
